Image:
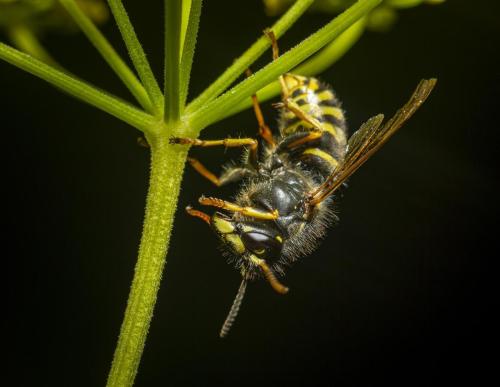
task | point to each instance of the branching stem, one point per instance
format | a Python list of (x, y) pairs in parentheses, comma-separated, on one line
[(137, 54), (78, 88), (108, 53)]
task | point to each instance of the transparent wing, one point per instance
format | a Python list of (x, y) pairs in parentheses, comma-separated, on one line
[(368, 139)]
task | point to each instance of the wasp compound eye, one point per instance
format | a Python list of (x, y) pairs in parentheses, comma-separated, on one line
[(261, 244)]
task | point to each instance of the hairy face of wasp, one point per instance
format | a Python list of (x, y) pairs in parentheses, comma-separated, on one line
[(249, 239)]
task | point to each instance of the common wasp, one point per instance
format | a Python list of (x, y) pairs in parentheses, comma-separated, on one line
[(285, 204)]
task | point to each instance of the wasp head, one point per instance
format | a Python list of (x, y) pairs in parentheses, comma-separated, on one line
[(252, 241)]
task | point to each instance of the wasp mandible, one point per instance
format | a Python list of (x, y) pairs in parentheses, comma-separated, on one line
[(284, 207)]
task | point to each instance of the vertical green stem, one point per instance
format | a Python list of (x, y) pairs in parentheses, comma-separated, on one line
[(173, 26), (167, 164)]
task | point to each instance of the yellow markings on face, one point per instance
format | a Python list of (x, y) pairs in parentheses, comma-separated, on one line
[(226, 229), (222, 225), (325, 156), (279, 239), (235, 240), (260, 252)]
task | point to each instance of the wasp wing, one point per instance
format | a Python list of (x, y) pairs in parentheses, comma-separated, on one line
[(368, 139)]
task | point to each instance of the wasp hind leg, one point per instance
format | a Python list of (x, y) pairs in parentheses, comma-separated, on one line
[(264, 130), (286, 101), (276, 53)]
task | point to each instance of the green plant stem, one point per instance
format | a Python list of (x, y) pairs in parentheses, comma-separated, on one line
[(167, 164), (317, 64), (24, 39), (404, 3), (188, 44), (250, 56), (216, 109), (186, 11), (137, 54), (79, 89), (108, 53), (173, 30)]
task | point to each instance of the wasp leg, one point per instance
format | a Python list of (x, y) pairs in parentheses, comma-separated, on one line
[(227, 142), (198, 214), (231, 175), (270, 277), (276, 53), (286, 101), (297, 139), (247, 211), (264, 130), (298, 112)]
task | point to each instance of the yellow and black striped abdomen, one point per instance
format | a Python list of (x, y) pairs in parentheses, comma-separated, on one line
[(321, 115)]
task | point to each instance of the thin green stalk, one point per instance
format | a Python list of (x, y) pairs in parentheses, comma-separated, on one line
[(137, 54), (214, 110), (167, 164), (108, 53), (78, 88), (315, 65), (186, 11), (25, 40), (173, 31), (250, 56), (188, 45)]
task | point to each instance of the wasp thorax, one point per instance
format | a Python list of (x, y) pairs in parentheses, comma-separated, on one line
[(261, 239)]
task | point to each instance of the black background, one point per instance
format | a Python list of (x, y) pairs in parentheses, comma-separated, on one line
[(402, 290)]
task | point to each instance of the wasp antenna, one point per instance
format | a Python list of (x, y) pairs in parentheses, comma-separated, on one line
[(228, 323)]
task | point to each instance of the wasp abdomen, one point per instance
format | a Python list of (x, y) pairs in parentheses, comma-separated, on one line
[(319, 112)]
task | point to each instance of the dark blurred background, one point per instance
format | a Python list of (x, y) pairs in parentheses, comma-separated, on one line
[(400, 292)]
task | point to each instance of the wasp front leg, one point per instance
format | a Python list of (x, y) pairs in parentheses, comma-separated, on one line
[(232, 207), (227, 143), (199, 214), (232, 174)]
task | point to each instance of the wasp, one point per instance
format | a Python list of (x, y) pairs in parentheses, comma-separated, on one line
[(285, 204)]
